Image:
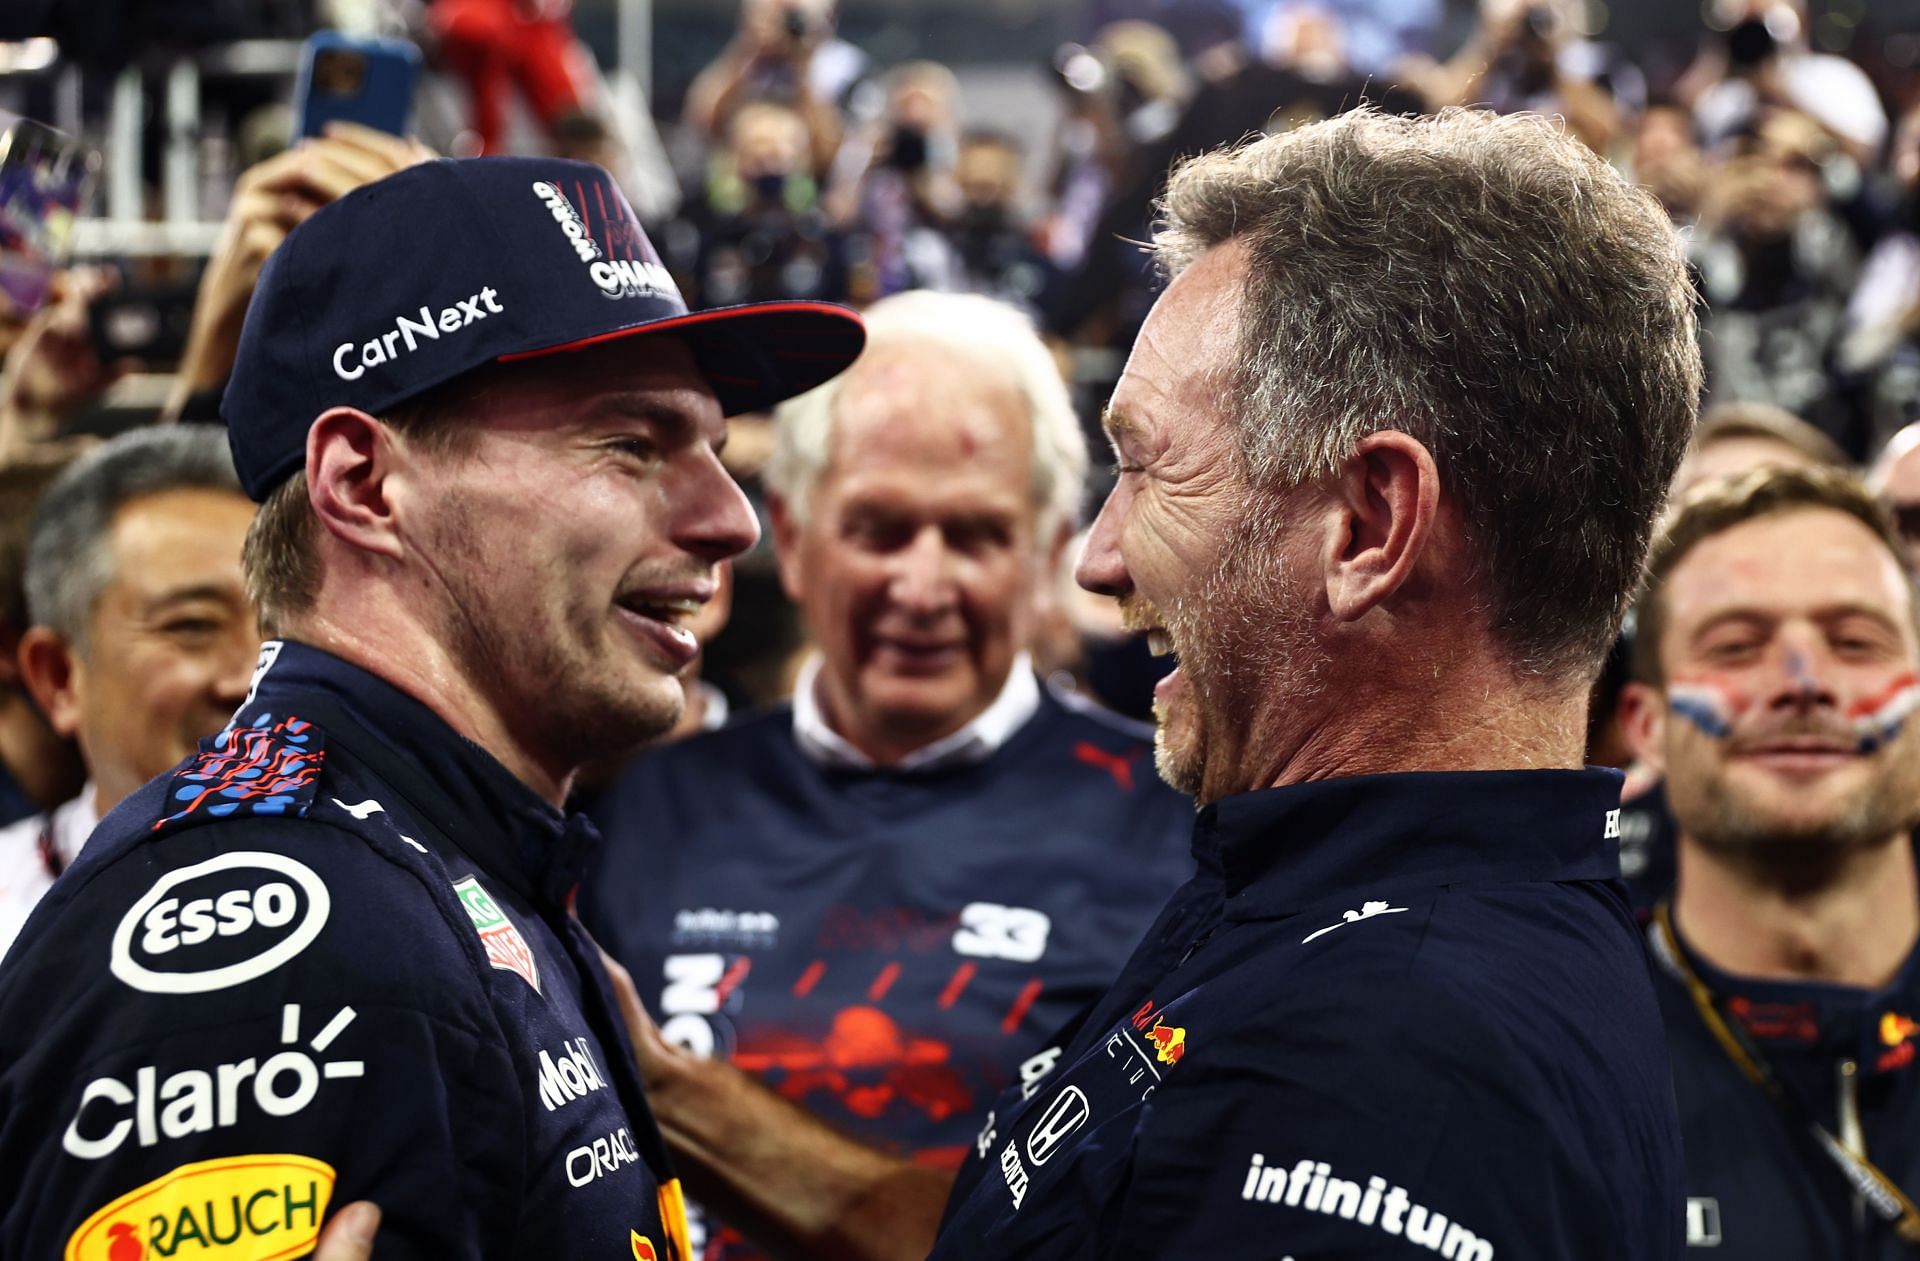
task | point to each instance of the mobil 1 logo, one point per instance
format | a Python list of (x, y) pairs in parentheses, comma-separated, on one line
[(219, 923)]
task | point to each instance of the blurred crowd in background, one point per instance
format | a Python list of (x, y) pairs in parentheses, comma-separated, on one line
[(784, 149)]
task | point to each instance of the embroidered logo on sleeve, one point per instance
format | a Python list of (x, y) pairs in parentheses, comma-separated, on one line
[(506, 948), (266, 768)]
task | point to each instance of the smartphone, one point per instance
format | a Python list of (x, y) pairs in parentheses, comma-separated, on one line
[(365, 81), (46, 178)]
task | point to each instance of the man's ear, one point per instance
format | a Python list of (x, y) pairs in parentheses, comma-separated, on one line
[(351, 462), (1386, 497), (786, 545), (1643, 721), (52, 675)]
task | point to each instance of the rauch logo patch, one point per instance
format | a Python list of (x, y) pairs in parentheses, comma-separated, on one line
[(238, 1208)]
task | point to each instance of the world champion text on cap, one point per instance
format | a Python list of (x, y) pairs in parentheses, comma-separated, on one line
[(614, 277), (387, 346)]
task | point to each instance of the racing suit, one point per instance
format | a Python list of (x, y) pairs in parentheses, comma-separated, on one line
[(329, 958)]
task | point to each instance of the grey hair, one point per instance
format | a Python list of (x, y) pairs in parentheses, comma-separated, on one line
[(1491, 287), (1002, 339), (69, 564)]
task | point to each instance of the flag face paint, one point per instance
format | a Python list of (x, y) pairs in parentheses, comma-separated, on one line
[(1708, 705), (1878, 719)]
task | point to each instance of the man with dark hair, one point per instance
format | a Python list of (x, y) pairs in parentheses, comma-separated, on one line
[(141, 636), (1391, 446), (333, 956), (1778, 646)]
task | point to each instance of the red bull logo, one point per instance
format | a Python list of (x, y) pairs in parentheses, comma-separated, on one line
[(1896, 1033), (1169, 1044)]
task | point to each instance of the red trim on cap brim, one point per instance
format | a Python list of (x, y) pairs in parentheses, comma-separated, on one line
[(692, 318)]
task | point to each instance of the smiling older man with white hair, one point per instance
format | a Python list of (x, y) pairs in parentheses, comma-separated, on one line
[(879, 899)]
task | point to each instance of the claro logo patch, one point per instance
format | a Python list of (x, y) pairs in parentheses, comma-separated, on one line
[(239, 1208), (220, 923)]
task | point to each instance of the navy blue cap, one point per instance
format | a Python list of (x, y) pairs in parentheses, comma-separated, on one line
[(411, 281)]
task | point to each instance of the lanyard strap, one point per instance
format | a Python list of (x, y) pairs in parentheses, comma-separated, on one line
[(1880, 1192)]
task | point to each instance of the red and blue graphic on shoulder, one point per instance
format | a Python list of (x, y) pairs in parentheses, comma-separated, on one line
[(266, 768)]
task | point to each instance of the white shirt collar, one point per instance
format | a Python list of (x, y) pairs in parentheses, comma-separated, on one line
[(976, 742)]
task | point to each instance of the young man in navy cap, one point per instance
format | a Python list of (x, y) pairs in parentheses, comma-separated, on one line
[(333, 957)]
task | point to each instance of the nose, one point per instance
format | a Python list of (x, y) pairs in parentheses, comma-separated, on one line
[(1101, 568), (922, 578), (712, 518), (1802, 684)]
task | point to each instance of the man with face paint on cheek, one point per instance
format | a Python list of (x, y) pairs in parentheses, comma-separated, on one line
[(1776, 655)]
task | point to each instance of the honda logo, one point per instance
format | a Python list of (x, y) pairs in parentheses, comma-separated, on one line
[(1064, 1115)]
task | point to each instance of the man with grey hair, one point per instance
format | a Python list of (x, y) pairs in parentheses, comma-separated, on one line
[(1391, 447), (141, 638), (880, 899)]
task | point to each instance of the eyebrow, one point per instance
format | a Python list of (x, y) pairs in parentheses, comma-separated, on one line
[(679, 423), (186, 595), (1824, 613), (644, 407), (1117, 424)]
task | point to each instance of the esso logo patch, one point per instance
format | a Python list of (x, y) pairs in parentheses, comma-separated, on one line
[(219, 923)]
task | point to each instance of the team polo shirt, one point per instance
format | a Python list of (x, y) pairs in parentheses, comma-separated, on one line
[(327, 959), (1393, 1016), (885, 948), (1757, 1186)]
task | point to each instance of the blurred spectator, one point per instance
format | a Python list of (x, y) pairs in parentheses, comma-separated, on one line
[(1778, 641), (39, 768), (893, 187), (1776, 268), (269, 201), (994, 244), (52, 370), (785, 51), (897, 978), (1529, 55), (1760, 62), (142, 639), (1667, 160), (1880, 357), (1374, 36), (1890, 278), (1895, 480), (1735, 438), (498, 47), (1102, 301), (760, 232), (1122, 96)]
